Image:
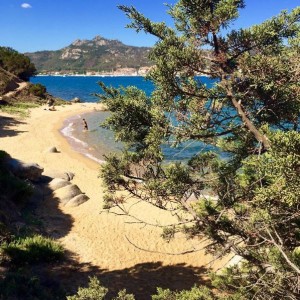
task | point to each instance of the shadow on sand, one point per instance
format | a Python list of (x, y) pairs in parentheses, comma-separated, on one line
[(141, 280), (5, 123), (63, 278)]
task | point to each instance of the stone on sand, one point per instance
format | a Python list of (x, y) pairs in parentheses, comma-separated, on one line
[(66, 193), (58, 183), (58, 174), (77, 200)]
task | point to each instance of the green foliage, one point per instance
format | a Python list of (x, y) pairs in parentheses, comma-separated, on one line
[(37, 90), (16, 63), (94, 291), (247, 203), (33, 249), (168, 233), (18, 108), (196, 293), (122, 295)]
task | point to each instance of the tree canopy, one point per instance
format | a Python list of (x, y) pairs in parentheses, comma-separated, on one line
[(251, 114), (16, 63)]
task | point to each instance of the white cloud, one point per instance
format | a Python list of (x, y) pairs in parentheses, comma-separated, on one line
[(26, 5)]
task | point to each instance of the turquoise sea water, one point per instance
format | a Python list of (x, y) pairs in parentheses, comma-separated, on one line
[(97, 141)]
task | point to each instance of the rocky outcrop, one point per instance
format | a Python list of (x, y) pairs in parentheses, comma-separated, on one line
[(66, 193), (52, 183), (77, 200), (69, 195), (72, 53), (59, 174), (60, 187), (30, 171), (97, 55), (58, 183), (76, 100)]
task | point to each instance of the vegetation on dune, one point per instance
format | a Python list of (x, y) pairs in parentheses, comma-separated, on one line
[(19, 108), (38, 90), (251, 114), (95, 291), (32, 249)]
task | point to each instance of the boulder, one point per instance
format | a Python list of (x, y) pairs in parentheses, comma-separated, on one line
[(58, 183), (76, 100), (58, 174), (52, 150), (67, 192), (77, 200), (31, 171)]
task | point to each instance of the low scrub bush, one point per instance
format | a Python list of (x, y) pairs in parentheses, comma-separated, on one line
[(95, 291), (33, 249), (18, 108), (38, 90)]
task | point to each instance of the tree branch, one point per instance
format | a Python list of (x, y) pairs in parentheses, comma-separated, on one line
[(259, 137)]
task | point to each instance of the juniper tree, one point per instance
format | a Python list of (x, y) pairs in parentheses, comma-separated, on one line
[(251, 114)]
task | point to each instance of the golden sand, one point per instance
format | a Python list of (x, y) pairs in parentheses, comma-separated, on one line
[(103, 240)]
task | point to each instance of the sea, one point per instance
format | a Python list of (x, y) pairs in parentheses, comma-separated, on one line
[(97, 142)]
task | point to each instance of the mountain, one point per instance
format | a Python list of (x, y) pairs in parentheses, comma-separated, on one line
[(87, 56)]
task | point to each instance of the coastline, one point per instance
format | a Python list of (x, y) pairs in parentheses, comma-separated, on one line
[(96, 237)]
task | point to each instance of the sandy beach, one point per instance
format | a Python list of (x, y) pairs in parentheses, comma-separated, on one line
[(94, 237)]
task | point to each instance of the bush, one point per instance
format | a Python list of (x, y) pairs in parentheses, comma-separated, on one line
[(196, 293), (18, 108), (95, 291), (16, 63), (38, 90), (33, 249)]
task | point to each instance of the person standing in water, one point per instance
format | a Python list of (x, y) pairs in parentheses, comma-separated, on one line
[(85, 125)]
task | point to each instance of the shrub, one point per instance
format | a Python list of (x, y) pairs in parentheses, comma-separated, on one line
[(94, 291), (37, 90), (196, 293), (33, 249), (16, 63)]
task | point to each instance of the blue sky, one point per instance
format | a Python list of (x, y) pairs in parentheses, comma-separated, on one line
[(32, 25)]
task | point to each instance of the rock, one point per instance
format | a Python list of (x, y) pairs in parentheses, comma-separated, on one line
[(58, 183), (52, 150), (76, 100), (58, 174), (66, 193), (77, 200), (31, 171)]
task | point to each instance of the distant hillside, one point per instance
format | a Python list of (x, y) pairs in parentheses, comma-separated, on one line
[(96, 55)]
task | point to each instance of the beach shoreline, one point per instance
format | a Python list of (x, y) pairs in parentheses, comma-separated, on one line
[(96, 237)]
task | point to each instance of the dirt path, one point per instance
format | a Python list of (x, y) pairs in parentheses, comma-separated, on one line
[(22, 85)]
